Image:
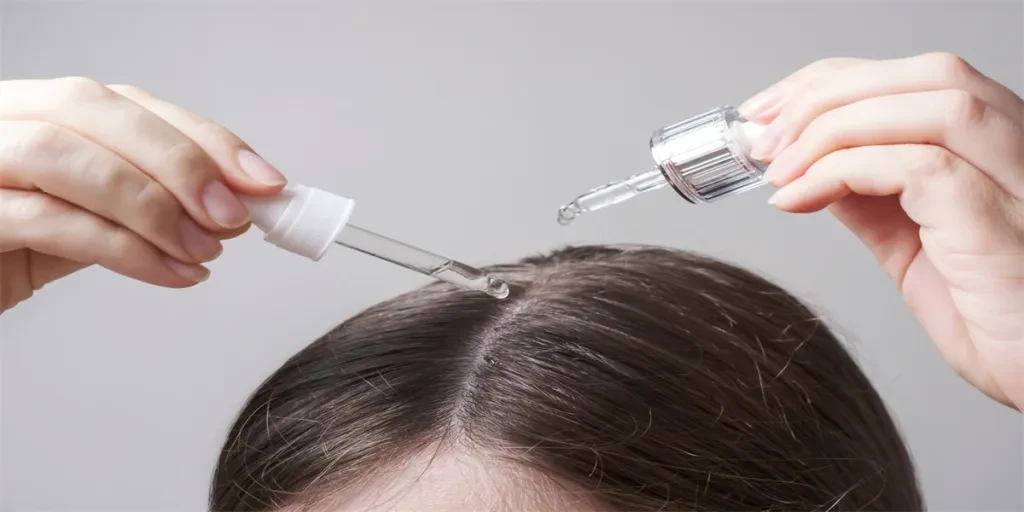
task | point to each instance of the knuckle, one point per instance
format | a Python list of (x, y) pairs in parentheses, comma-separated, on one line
[(134, 200), (951, 66), (154, 205), (963, 108), (121, 243), (822, 126), (103, 174), (38, 138), (809, 98), (822, 64), (27, 205), (812, 94), (936, 162), (128, 90), (213, 132), (829, 163), (76, 88), (830, 63), (825, 67), (187, 157)]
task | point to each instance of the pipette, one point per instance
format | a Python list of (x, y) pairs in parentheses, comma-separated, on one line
[(704, 158), (307, 221)]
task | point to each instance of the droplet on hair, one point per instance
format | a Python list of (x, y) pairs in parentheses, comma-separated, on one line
[(497, 288)]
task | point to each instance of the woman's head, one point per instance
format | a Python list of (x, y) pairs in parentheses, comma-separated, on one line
[(612, 378)]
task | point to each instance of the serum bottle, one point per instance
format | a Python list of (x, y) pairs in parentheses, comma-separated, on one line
[(704, 158)]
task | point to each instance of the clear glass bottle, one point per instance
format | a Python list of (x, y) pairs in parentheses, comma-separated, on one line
[(704, 158)]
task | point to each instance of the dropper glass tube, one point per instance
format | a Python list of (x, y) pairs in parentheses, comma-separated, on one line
[(704, 158), (612, 193), (419, 260), (308, 221)]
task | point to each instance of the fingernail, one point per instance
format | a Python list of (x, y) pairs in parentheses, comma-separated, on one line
[(223, 206), (769, 113), (758, 105), (765, 145), (785, 194), (259, 169), (770, 174), (778, 172), (775, 171), (194, 273), (200, 244), (785, 142)]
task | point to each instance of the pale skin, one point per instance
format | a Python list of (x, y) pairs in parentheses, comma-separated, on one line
[(109, 175), (922, 158)]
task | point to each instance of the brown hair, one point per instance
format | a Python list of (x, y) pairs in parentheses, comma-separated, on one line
[(651, 378)]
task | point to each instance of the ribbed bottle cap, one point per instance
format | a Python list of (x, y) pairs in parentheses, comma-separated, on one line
[(301, 219), (705, 157)]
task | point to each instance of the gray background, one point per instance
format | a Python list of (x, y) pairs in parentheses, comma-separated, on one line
[(460, 128)]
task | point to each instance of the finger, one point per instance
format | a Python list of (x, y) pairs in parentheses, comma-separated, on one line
[(47, 268), (24, 272), (930, 72), (244, 170), (961, 123), (938, 204), (765, 105), (42, 223), (137, 135), (936, 188), (869, 171), (883, 226), (233, 233), (894, 238), (38, 155)]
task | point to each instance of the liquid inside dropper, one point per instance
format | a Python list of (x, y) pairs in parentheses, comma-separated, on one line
[(424, 262), (612, 193), (465, 276)]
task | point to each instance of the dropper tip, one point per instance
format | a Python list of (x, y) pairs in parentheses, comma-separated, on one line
[(497, 288), (567, 213)]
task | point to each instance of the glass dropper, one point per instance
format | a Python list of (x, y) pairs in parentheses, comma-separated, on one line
[(704, 158), (308, 221), (419, 260), (612, 193)]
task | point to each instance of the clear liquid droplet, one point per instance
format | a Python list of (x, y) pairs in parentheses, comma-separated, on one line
[(567, 213), (497, 288)]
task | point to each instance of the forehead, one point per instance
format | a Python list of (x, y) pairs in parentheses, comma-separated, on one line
[(459, 481)]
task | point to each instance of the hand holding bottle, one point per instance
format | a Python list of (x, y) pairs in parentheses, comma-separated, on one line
[(923, 159), (110, 175)]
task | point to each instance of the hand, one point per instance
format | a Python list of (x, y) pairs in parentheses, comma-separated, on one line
[(91, 174), (923, 159)]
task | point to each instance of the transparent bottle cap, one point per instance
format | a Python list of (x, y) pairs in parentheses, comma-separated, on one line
[(705, 157)]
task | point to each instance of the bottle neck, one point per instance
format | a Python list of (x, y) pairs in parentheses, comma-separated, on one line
[(706, 157)]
